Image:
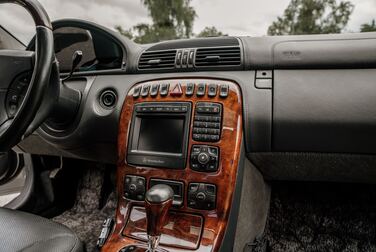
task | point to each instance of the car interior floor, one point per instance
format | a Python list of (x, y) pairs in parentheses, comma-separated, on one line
[(320, 217), (95, 202)]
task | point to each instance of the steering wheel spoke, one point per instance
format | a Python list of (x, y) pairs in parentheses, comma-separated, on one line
[(12, 64), (24, 79), (16, 68), (3, 112)]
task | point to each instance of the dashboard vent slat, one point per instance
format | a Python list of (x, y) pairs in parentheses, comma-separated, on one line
[(218, 56), (157, 60)]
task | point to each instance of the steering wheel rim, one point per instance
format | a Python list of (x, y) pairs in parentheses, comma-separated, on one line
[(13, 129)]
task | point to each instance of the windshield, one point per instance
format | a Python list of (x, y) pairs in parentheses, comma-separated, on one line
[(147, 21)]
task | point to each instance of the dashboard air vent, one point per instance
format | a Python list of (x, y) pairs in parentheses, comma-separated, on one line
[(157, 60), (218, 56)]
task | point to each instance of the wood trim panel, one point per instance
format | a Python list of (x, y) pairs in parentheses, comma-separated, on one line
[(215, 221), (184, 228)]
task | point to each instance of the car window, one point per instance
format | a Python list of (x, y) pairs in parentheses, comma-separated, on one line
[(147, 21), (8, 41), (17, 21)]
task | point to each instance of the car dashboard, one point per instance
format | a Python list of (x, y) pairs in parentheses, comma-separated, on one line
[(189, 114)]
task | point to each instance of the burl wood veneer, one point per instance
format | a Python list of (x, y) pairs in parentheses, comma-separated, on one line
[(214, 221), (187, 227)]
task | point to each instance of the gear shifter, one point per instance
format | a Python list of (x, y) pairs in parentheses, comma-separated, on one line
[(158, 200)]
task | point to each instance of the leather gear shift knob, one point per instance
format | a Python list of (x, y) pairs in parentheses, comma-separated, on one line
[(158, 200)]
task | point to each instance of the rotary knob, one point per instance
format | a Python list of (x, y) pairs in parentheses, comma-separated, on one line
[(203, 158), (201, 196)]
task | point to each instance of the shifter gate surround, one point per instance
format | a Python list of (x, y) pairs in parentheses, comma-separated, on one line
[(189, 226)]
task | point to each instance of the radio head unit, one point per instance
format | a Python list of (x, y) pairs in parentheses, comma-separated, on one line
[(159, 134)]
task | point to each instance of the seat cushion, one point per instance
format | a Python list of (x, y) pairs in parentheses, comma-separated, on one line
[(20, 231)]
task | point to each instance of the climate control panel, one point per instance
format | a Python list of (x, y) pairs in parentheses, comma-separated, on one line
[(204, 158), (202, 196), (134, 187)]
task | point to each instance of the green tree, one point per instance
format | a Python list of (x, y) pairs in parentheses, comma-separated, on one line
[(126, 33), (312, 17), (210, 32), (368, 27), (171, 19)]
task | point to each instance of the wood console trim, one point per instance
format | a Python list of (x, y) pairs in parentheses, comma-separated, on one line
[(215, 221), (184, 228)]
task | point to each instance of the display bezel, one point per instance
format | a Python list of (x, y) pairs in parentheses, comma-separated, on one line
[(155, 158)]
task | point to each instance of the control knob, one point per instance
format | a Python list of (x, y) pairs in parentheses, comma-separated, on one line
[(203, 158)]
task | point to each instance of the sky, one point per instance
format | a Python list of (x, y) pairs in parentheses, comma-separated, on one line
[(232, 17)]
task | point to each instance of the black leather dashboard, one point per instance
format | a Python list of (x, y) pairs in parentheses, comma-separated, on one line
[(320, 97)]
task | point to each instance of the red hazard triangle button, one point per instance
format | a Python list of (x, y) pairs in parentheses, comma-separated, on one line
[(176, 91)]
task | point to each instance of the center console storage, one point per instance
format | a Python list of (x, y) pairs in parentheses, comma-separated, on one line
[(187, 134)]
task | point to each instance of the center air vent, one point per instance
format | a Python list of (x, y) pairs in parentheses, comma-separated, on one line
[(157, 60), (218, 56)]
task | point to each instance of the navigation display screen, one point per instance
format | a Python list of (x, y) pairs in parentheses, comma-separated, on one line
[(161, 134)]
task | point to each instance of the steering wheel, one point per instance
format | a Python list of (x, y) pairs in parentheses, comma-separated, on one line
[(24, 79)]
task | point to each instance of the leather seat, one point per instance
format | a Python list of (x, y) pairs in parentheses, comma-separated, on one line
[(21, 231)]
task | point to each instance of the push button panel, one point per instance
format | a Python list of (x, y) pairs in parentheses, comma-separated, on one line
[(16, 94), (207, 122), (134, 187), (175, 88), (204, 158), (202, 196)]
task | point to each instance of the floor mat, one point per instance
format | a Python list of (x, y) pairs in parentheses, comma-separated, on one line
[(321, 217), (87, 215)]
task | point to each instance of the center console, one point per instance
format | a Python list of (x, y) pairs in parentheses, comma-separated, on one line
[(187, 134)]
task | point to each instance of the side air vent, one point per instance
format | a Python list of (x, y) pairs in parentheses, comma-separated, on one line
[(157, 60), (218, 56)]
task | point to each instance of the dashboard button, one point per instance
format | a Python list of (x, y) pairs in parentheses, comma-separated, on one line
[(201, 89), (164, 89), (136, 92), (176, 91), (223, 92), (215, 118), (212, 90), (145, 91), (176, 109), (193, 187), (214, 138), (154, 90), (201, 196), (203, 158), (190, 89)]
